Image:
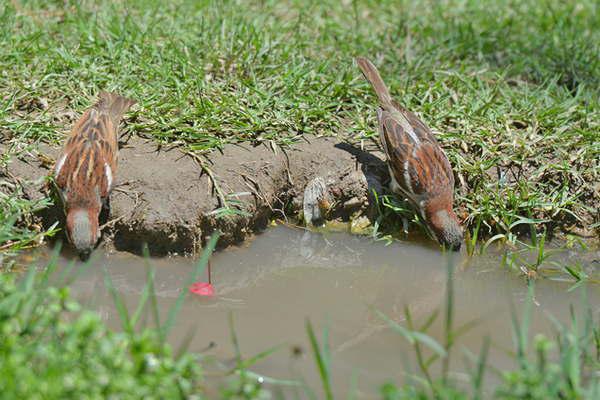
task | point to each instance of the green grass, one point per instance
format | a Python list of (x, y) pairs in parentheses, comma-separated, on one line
[(565, 367), (51, 348), (510, 86), (18, 229)]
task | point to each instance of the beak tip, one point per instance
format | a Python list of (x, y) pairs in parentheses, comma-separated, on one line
[(84, 255)]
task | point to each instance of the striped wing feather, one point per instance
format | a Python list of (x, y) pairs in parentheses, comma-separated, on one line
[(417, 161), (92, 144), (87, 167)]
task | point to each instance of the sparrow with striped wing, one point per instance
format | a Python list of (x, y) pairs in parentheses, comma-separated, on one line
[(84, 173), (419, 168)]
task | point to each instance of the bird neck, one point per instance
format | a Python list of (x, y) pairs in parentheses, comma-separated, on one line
[(439, 212)]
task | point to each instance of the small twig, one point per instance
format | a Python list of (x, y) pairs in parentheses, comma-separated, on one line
[(112, 222), (220, 195), (282, 212), (136, 203), (8, 245), (287, 167), (255, 189), (11, 176), (127, 183), (126, 191)]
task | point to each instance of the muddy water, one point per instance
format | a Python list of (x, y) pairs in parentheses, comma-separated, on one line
[(286, 275)]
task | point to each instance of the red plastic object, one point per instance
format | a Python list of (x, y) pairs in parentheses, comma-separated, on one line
[(202, 289)]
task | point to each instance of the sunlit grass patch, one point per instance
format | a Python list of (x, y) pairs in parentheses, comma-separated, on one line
[(510, 87)]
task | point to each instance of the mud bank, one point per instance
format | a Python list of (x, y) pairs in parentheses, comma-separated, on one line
[(174, 202)]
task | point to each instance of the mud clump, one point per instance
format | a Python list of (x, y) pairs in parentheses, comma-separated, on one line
[(173, 201)]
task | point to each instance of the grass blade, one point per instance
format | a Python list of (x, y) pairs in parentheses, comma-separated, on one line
[(146, 293), (173, 311), (321, 363), (449, 318), (431, 343), (119, 303), (245, 364), (481, 364)]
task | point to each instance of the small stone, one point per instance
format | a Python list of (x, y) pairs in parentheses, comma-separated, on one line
[(359, 225), (352, 204), (43, 103)]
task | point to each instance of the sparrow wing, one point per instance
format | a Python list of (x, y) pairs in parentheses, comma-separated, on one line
[(114, 106), (417, 162), (88, 162), (108, 148)]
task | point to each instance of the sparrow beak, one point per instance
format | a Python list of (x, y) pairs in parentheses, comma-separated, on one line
[(84, 255), (455, 247)]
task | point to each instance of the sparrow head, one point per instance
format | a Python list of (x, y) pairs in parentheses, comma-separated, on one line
[(446, 227), (83, 230)]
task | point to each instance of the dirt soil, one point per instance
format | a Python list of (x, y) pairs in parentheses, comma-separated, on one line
[(167, 199)]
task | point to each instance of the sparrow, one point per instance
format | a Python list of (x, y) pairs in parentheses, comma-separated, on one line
[(85, 171), (419, 168)]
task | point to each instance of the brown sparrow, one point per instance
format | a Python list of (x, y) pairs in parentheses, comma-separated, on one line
[(418, 166), (85, 171)]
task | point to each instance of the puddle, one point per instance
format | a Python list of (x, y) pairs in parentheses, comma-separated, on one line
[(286, 275)]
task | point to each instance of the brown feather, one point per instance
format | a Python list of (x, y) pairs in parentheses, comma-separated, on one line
[(92, 143), (86, 169), (418, 163), (418, 166)]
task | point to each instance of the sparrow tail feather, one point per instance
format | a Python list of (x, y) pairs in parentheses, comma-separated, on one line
[(114, 105), (372, 75)]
